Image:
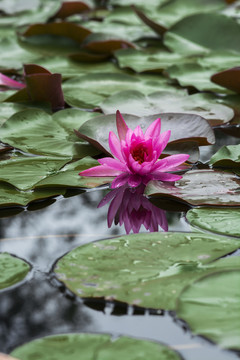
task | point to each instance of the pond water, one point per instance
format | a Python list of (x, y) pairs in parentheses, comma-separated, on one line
[(39, 306)]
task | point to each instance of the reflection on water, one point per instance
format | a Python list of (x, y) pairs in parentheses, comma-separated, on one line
[(130, 207), (38, 308)]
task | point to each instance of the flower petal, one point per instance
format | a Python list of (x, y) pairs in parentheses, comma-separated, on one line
[(113, 163), (162, 176), (171, 162), (7, 81), (134, 180), (101, 170), (154, 129), (115, 146), (160, 143), (121, 126), (120, 180)]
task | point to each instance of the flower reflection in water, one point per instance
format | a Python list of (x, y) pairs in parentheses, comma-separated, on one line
[(130, 207)]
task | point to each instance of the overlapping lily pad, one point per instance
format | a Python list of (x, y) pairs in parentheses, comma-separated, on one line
[(12, 270), (184, 127), (227, 156), (136, 103), (222, 221), (149, 270), (211, 307), (200, 187), (37, 132), (93, 346)]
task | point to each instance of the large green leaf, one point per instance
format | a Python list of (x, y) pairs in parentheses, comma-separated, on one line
[(221, 221), (37, 132), (93, 346), (25, 172), (11, 197), (68, 176), (149, 270), (194, 75), (12, 270), (211, 307), (7, 110), (227, 156), (199, 187), (184, 127), (197, 34), (136, 103)]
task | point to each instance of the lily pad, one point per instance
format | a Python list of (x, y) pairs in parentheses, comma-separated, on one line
[(149, 270), (183, 127), (93, 346), (224, 32), (200, 187), (227, 156), (136, 103), (12, 270), (229, 79), (68, 176), (211, 307), (37, 132), (217, 220), (11, 197)]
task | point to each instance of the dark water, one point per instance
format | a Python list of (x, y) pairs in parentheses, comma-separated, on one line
[(38, 307)]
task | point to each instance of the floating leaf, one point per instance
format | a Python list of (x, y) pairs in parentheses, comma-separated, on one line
[(12, 270), (69, 8), (11, 197), (217, 220), (183, 127), (149, 270), (194, 75), (200, 187), (227, 156), (104, 43), (224, 32), (91, 346), (228, 78), (211, 307), (37, 132), (68, 176), (136, 103)]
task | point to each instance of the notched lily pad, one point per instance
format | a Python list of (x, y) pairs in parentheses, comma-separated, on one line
[(211, 307), (184, 127), (148, 270), (200, 187), (93, 346), (12, 270), (229, 79)]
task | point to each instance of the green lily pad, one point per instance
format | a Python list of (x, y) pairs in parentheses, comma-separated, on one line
[(199, 187), (149, 270), (136, 103), (147, 60), (37, 132), (194, 75), (217, 220), (68, 176), (11, 197), (25, 172), (12, 270), (93, 346), (227, 156), (197, 40), (9, 109), (211, 307), (184, 127)]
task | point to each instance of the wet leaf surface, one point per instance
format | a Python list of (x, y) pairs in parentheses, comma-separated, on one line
[(217, 220), (93, 346), (227, 156), (200, 187), (211, 307), (148, 270), (12, 269)]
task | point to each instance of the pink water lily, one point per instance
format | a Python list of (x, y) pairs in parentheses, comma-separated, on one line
[(10, 83), (136, 156)]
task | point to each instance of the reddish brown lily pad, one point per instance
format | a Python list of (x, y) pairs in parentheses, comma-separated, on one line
[(105, 43), (199, 187), (41, 86), (229, 79), (184, 127), (69, 8), (157, 28)]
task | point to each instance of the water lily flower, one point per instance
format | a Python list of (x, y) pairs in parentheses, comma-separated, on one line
[(136, 156), (129, 207), (10, 83)]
